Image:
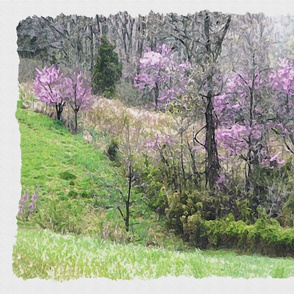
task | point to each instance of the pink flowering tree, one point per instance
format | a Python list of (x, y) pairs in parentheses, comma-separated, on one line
[(53, 88), (244, 109), (163, 75), (203, 43), (48, 85), (77, 93), (245, 117), (244, 122), (282, 83)]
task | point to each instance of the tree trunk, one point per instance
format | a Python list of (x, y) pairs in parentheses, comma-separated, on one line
[(127, 220), (76, 121), (212, 165), (59, 109), (251, 157), (91, 49), (156, 95), (182, 161)]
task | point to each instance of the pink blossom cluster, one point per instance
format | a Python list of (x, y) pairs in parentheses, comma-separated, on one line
[(282, 79), (52, 87), (159, 57), (233, 105), (161, 69), (233, 139), (241, 126), (77, 91), (282, 83), (48, 85)]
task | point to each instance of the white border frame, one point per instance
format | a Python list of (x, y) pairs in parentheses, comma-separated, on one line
[(11, 12)]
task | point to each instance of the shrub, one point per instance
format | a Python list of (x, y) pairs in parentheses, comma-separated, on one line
[(112, 150), (62, 216), (265, 236), (272, 189)]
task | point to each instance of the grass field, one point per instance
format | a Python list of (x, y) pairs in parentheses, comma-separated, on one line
[(49, 255)]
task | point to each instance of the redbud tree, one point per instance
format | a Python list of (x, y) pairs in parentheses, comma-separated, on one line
[(162, 74), (244, 122), (282, 83), (48, 85), (77, 94), (256, 100), (246, 118), (243, 110), (53, 88)]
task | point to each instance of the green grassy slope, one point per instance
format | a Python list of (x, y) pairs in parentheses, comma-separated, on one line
[(73, 195), (49, 151)]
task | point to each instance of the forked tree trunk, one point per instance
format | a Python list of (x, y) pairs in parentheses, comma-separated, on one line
[(59, 109)]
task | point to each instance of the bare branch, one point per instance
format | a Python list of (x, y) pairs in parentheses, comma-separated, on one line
[(195, 137), (121, 213)]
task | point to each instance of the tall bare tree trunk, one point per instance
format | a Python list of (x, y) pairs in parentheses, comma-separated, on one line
[(212, 161), (212, 164), (130, 176)]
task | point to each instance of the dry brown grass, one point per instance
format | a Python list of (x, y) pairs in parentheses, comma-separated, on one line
[(110, 117)]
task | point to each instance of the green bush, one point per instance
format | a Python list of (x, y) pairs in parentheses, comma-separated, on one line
[(149, 181), (265, 236), (271, 189), (112, 150)]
